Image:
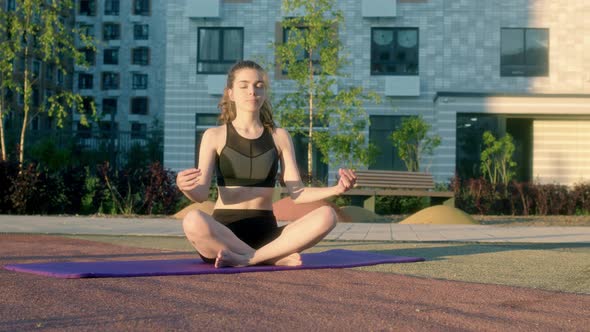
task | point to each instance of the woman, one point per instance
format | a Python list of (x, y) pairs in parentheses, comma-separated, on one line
[(246, 151)]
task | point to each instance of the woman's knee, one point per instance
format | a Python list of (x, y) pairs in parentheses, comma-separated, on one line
[(195, 224), (328, 216)]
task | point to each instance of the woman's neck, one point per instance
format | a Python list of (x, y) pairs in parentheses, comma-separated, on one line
[(247, 121)]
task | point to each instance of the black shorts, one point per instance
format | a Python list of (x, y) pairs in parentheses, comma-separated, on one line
[(256, 228)]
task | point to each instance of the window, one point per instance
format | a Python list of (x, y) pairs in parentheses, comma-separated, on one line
[(140, 56), (110, 81), (111, 7), (111, 31), (86, 29), (394, 51), (89, 56), (203, 121), (36, 97), (139, 105), (49, 72), (302, 54), (83, 131), (219, 49), (108, 129), (60, 77), (109, 106), (111, 56), (87, 7), (10, 5), (87, 105), (379, 134), (524, 52), (48, 94), (36, 68), (138, 130), (141, 31), (141, 7), (139, 81), (85, 81), (469, 142)]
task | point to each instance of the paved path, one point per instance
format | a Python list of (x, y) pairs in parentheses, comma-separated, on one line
[(343, 231)]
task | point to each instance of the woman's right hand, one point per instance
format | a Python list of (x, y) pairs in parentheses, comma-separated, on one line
[(188, 179)]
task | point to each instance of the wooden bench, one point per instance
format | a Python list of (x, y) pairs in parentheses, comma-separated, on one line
[(373, 183)]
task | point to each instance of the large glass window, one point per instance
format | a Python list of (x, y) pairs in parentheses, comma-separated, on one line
[(302, 54), (10, 5), (139, 105), (470, 129), (139, 81), (111, 56), (382, 126), (85, 81), (394, 51), (141, 32), (140, 56), (89, 56), (141, 7), (110, 81), (111, 31), (111, 7), (109, 106), (138, 130), (49, 72), (87, 7), (108, 129), (203, 121), (86, 29), (219, 49), (86, 106), (524, 52)]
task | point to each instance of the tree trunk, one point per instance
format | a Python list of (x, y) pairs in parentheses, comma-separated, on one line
[(21, 147), (2, 143), (310, 132)]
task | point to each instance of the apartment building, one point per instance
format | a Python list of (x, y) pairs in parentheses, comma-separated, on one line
[(509, 66), (126, 73)]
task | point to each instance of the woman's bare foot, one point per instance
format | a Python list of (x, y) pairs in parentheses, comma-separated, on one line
[(226, 258), (291, 260)]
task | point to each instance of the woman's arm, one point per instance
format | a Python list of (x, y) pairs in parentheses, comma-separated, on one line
[(196, 182), (298, 192)]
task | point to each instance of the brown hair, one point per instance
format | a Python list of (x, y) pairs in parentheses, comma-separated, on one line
[(228, 107)]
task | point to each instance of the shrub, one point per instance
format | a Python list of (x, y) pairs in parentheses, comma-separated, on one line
[(582, 194), (161, 194), (8, 172), (399, 204)]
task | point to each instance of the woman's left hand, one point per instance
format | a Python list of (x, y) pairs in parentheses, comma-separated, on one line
[(347, 179)]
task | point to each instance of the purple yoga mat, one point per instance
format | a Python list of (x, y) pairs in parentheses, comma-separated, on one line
[(336, 258)]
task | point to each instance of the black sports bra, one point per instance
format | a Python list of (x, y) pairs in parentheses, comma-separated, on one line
[(247, 162)]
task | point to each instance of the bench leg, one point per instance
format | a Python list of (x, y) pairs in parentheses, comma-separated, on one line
[(369, 203)]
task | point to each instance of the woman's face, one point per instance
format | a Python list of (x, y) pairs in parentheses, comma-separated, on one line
[(248, 90)]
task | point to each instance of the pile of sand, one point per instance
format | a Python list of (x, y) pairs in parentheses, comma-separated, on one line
[(440, 214)]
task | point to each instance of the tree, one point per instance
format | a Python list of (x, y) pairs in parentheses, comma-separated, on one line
[(35, 34), (412, 141), (311, 56), (496, 159)]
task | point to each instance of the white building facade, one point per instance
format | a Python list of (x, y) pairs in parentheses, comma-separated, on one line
[(520, 67)]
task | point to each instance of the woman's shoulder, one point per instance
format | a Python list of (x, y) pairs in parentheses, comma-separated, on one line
[(281, 133), (214, 136), (215, 132)]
